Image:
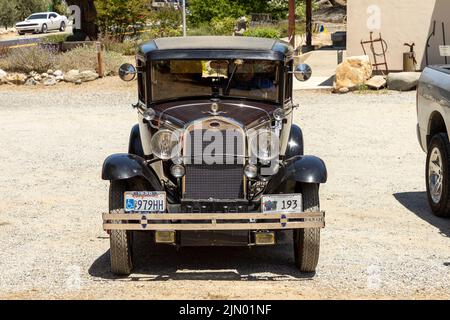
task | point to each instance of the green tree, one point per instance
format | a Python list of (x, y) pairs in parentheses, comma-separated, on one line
[(7, 13), (26, 7), (114, 16), (205, 10)]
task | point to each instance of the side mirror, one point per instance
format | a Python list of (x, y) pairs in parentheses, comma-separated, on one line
[(302, 72), (127, 72)]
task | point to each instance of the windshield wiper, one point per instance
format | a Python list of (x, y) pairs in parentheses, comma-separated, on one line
[(237, 63)]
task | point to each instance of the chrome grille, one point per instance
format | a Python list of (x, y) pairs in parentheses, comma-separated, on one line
[(220, 176)]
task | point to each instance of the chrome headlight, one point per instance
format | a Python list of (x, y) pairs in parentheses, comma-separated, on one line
[(166, 144), (265, 145)]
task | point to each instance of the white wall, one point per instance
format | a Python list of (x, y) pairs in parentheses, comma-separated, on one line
[(399, 21)]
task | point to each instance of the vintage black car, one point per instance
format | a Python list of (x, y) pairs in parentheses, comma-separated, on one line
[(215, 159)]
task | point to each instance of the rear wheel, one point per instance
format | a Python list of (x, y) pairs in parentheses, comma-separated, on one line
[(120, 240), (62, 28), (437, 175), (307, 241)]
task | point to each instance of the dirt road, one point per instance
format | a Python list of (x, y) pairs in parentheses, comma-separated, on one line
[(380, 242)]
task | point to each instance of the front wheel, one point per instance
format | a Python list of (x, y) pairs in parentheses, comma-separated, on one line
[(307, 241), (44, 28), (120, 240), (437, 175)]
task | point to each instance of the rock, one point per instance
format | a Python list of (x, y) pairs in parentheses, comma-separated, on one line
[(44, 75), (403, 81), (49, 81), (75, 75), (37, 77), (353, 72), (344, 90), (58, 73), (33, 74), (3, 75), (78, 82), (89, 76), (50, 71), (31, 82), (376, 82), (59, 78), (16, 78)]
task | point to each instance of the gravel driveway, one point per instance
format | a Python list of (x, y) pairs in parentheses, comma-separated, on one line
[(381, 240)]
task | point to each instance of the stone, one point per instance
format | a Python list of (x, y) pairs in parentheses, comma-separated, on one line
[(44, 75), (3, 76), (31, 82), (75, 75), (49, 81), (344, 90), (58, 73), (59, 78), (16, 78), (353, 72), (50, 71), (376, 82), (89, 76), (72, 76), (403, 81), (37, 77), (78, 82)]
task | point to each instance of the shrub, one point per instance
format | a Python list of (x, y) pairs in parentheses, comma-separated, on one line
[(223, 26), (55, 38), (126, 47), (263, 32), (28, 59), (85, 58)]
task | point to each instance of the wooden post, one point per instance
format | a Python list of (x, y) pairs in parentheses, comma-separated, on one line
[(308, 23), (100, 69), (292, 22)]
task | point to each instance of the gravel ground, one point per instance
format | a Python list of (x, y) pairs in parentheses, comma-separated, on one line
[(380, 242)]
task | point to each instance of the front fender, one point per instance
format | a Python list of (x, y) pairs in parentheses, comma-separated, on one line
[(127, 166), (299, 169)]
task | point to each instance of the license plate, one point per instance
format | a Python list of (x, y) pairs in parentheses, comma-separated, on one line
[(145, 202), (282, 203)]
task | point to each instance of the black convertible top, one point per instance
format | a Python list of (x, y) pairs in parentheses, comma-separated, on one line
[(216, 47)]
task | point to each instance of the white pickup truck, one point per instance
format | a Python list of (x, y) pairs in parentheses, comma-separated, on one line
[(433, 110), (42, 22)]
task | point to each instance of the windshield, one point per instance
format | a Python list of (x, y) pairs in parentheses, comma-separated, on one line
[(37, 16), (251, 79)]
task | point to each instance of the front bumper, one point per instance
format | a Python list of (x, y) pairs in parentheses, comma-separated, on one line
[(28, 28), (119, 220)]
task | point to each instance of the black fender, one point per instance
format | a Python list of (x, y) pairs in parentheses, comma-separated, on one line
[(295, 145), (128, 166), (135, 145), (299, 169)]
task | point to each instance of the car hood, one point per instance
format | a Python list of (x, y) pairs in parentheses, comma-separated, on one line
[(248, 114), (31, 21)]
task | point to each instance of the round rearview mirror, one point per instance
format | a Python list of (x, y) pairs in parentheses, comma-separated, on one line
[(303, 72), (127, 72)]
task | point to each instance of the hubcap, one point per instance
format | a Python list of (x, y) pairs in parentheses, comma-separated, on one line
[(435, 175)]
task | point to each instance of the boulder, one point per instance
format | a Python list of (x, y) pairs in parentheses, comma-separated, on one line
[(49, 81), (50, 71), (37, 77), (58, 73), (89, 76), (353, 72), (3, 75), (403, 81), (376, 82), (16, 78), (31, 82), (59, 78), (75, 76)]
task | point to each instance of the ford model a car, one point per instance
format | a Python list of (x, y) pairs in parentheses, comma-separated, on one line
[(215, 159)]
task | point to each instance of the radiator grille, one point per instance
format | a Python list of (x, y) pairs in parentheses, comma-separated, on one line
[(223, 179)]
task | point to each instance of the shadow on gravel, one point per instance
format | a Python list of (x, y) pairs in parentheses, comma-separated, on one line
[(162, 263), (417, 203)]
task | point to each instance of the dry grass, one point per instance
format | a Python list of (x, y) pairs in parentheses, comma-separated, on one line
[(40, 60)]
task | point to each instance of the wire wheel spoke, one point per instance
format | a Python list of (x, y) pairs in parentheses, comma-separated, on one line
[(435, 175)]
